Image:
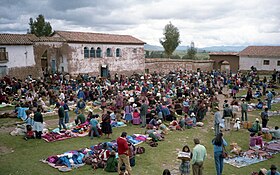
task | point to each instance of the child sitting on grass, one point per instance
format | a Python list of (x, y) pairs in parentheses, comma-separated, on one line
[(29, 133)]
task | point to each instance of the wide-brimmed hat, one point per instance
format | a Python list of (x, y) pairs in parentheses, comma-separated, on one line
[(273, 167), (257, 120), (263, 170), (192, 114), (113, 153), (217, 108)]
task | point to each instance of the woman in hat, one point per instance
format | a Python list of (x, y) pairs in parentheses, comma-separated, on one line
[(273, 171), (256, 126), (112, 163)]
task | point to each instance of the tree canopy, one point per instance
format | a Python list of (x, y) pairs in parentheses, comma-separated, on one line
[(40, 27), (192, 51), (171, 40)]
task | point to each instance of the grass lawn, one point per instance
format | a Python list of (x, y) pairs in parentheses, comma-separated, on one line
[(24, 160)]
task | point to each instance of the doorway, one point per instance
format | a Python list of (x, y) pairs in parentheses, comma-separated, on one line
[(104, 71)]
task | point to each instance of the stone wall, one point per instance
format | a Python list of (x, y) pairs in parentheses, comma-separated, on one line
[(23, 72), (167, 65), (233, 61)]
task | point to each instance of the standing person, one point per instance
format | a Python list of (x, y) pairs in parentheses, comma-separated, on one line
[(185, 165), (269, 97), (198, 157), (123, 153), (61, 116), (217, 121), (128, 109), (93, 127), (219, 142), (244, 110), (38, 123), (227, 115), (106, 124), (66, 112), (264, 116), (143, 113)]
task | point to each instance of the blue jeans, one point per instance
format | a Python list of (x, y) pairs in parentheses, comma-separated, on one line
[(217, 128), (61, 123), (94, 130), (244, 113), (66, 116), (269, 104), (219, 162)]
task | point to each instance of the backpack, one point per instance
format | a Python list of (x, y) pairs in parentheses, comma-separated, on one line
[(140, 150)]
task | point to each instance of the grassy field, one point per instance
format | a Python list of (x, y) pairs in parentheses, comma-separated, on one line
[(20, 157)]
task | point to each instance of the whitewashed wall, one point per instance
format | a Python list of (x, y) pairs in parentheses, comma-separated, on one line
[(245, 63), (132, 58), (19, 56)]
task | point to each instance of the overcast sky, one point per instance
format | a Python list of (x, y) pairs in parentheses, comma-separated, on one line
[(206, 22)]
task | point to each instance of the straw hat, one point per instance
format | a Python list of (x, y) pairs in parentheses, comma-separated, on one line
[(257, 120), (263, 170)]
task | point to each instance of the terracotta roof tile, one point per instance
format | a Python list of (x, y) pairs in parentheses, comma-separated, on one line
[(224, 53), (263, 51), (15, 39), (47, 39), (87, 37)]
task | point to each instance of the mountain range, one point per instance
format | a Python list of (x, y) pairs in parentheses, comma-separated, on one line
[(206, 49)]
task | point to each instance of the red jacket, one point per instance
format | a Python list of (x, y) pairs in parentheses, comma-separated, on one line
[(122, 146)]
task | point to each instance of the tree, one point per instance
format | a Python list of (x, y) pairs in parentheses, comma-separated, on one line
[(192, 51), (40, 27), (171, 39)]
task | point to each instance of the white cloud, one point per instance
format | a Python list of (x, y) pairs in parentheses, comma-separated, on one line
[(207, 23)]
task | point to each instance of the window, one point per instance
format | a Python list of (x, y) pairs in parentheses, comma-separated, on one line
[(92, 53), (134, 50), (147, 71), (98, 52), (118, 52), (86, 52), (3, 54), (265, 62), (278, 63), (3, 71), (108, 52), (62, 69)]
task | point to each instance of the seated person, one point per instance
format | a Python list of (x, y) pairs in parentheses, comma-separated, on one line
[(163, 127), (275, 133), (256, 127), (260, 104), (153, 123), (182, 123), (252, 141), (273, 171), (189, 121), (258, 94), (193, 117), (80, 118), (112, 163), (174, 125)]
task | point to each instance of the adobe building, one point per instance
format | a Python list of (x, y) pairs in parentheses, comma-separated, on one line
[(225, 61), (263, 58)]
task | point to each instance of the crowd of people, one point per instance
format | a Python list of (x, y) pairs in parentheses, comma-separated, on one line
[(180, 97)]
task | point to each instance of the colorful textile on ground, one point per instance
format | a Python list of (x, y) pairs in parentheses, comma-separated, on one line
[(96, 154), (255, 156)]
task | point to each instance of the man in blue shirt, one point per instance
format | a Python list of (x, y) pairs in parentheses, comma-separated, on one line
[(269, 99), (93, 123)]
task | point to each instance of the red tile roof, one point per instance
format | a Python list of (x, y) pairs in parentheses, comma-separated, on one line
[(85, 37), (47, 39), (263, 51), (15, 39), (224, 53)]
